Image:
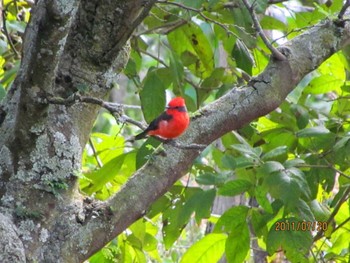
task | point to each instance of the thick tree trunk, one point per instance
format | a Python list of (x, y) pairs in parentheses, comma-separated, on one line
[(79, 46), (70, 46)]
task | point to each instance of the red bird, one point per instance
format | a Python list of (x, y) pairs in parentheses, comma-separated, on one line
[(171, 123)]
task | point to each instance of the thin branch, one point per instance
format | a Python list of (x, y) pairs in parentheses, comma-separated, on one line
[(343, 9), (270, 2), (275, 52), (147, 5), (342, 224), (165, 65), (115, 109), (7, 34), (328, 166), (165, 28), (99, 163), (201, 14), (334, 213)]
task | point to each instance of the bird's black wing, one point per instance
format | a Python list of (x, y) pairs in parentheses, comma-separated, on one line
[(154, 125)]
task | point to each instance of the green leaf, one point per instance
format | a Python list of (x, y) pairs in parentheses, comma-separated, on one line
[(247, 150), (301, 115), (152, 96), (231, 218), (293, 162), (269, 22), (278, 152), (261, 198), (138, 229), (177, 215), (332, 77), (2, 92), (229, 162), (102, 176), (282, 186), (323, 84), (235, 187), (16, 26), (107, 146), (243, 57), (194, 3), (259, 221), (190, 39), (209, 178), (312, 132), (237, 244), (215, 79), (299, 177), (145, 152), (295, 244), (140, 257), (343, 142), (177, 72), (203, 204), (269, 168), (208, 249), (320, 211), (303, 211), (259, 6), (150, 242)]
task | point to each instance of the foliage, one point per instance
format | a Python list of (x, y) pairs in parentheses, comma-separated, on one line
[(15, 17), (292, 165)]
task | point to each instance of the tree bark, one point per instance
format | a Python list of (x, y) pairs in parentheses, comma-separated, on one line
[(79, 46)]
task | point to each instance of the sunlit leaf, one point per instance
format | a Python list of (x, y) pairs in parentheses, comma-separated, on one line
[(208, 249), (237, 244)]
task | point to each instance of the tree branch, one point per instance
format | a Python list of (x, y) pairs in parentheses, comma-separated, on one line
[(343, 10), (116, 109), (275, 52)]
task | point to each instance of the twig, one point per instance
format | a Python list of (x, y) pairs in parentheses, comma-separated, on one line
[(4, 15), (333, 214), (147, 5), (343, 9), (342, 223), (99, 163), (277, 54), (115, 109), (200, 13), (276, 1), (165, 28), (165, 65), (328, 166)]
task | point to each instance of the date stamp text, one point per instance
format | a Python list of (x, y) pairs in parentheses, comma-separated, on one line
[(301, 226)]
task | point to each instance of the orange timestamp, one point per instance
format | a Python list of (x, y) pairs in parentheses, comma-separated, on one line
[(301, 226)]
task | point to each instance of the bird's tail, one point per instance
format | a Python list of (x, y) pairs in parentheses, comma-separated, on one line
[(141, 135)]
